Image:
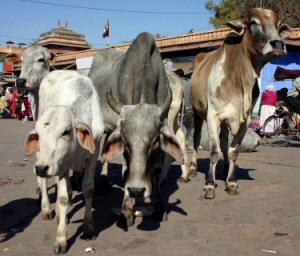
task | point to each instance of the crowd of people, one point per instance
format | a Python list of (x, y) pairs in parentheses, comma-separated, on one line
[(271, 99), (15, 105)]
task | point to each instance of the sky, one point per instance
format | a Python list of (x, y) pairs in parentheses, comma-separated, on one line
[(25, 20)]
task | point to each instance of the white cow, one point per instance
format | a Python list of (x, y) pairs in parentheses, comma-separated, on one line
[(35, 67), (67, 136)]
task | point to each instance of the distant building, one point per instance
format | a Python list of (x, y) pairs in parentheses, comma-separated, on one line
[(73, 52), (63, 40)]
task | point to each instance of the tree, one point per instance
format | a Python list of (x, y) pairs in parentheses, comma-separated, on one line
[(33, 42), (226, 10)]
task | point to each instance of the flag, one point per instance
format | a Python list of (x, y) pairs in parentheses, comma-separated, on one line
[(106, 30)]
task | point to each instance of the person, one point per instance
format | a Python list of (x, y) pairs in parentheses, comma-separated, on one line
[(268, 104), (281, 96), (4, 108), (25, 107), (293, 97)]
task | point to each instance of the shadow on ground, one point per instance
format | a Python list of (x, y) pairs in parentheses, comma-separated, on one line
[(241, 173)]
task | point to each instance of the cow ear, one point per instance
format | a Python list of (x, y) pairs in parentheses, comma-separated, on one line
[(85, 136), (31, 144), (284, 30), (112, 147), (170, 144), (237, 25)]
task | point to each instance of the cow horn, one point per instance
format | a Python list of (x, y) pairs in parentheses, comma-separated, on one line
[(113, 103), (167, 102)]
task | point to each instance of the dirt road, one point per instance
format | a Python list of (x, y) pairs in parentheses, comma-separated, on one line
[(263, 220)]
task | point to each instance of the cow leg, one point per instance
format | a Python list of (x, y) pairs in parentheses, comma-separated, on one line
[(215, 152), (63, 200), (57, 204), (88, 190), (197, 138), (124, 165), (104, 171), (224, 147), (101, 181), (159, 213), (184, 167), (45, 203), (127, 217), (231, 184)]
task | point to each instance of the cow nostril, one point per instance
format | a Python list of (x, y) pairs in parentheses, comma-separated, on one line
[(42, 170), (277, 44), (136, 192), (21, 83)]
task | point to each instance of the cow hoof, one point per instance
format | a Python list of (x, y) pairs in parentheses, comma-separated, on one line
[(60, 248), (209, 192), (232, 188), (130, 221), (125, 222), (183, 180), (193, 172), (47, 216), (89, 235)]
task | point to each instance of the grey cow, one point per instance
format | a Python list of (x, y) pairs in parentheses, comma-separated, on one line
[(249, 143), (135, 98)]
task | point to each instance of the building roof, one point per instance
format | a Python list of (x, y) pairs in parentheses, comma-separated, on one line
[(63, 36), (174, 43)]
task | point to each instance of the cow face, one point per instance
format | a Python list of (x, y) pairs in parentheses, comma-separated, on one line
[(266, 33), (141, 135), (35, 66), (59, 140)]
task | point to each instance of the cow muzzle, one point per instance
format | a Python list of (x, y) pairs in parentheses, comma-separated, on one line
[(136, 192), (21, 83), (278, 47), (42, 170)]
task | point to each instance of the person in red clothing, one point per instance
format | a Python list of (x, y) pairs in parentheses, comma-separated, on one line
[(268, 104)]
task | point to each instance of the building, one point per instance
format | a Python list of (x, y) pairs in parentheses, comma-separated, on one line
[(72, 51)]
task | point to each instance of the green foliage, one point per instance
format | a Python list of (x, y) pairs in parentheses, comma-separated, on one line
[(226, 10), (34, 42)]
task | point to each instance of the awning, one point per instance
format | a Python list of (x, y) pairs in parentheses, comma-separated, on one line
[(282, 73)]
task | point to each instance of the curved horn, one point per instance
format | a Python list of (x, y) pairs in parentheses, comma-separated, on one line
[(113, 103), (167, 102)]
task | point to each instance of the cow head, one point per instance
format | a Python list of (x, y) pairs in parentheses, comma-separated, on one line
[(266, 33), (140, 135), (59, 140), (35, 66)]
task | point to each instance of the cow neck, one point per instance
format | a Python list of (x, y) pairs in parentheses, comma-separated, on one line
[(238, 52), (255, 57), (239, 56), (35, 95)]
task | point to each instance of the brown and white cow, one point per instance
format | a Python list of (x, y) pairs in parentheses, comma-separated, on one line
[(224, 88)]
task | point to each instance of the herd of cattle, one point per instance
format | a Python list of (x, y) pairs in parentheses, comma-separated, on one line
[(132, 101)]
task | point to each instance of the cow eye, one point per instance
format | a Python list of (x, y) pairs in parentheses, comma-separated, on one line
[(41, 60), (66, 132)]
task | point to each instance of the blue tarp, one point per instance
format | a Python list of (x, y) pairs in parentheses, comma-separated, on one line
[(290, 61)]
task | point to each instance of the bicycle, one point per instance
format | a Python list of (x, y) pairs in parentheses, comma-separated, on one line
[(280, 128)]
